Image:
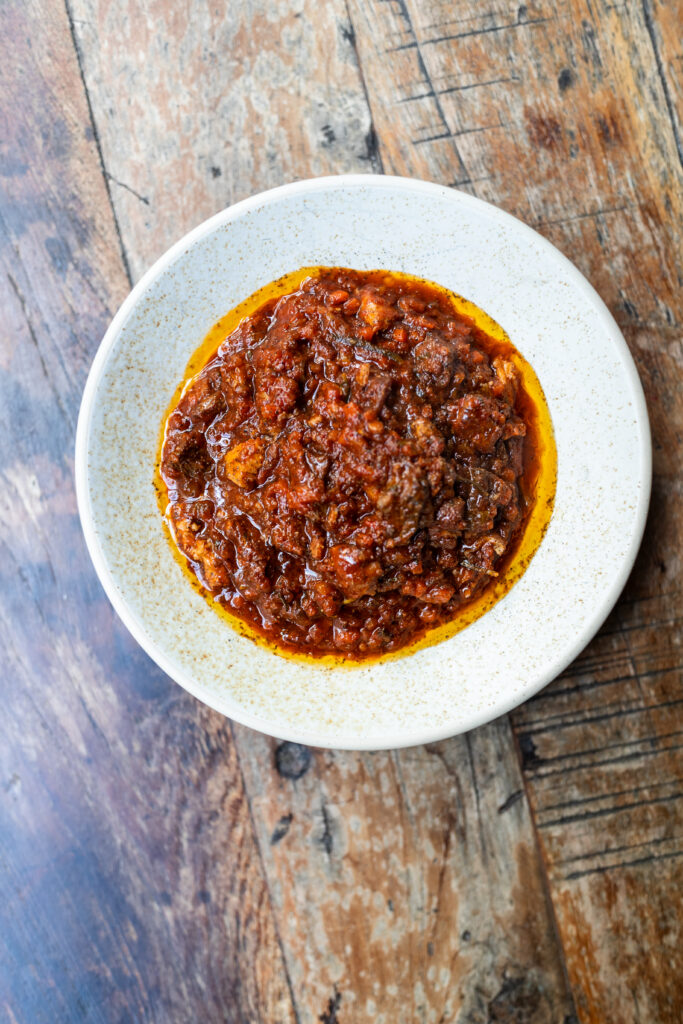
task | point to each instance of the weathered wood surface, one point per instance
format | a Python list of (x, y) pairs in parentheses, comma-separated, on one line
[(159, 864), (197, 106), (569, 115), (119, 794), (407, 882)]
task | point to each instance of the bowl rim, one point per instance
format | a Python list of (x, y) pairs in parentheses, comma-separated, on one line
[(538, 678)]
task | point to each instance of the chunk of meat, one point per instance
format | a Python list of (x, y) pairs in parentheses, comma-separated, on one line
[(204, 398), (482, 553), (279, 366), (187, 460), (353, 570), (432, 588), (251, 558), (506, 380), (276, 397), (371, 391), (244, 460), (322, 598), (197, 545), (477, 419), (428, 435), (434, 359), (404, 500), (376, 311), (451, 515)]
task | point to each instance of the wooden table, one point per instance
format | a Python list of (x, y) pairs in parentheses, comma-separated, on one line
[(158, 863)]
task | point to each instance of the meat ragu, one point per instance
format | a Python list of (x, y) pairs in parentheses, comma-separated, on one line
[(353, 466)]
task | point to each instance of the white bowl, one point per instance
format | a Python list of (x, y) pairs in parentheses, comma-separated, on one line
[(555, 319)]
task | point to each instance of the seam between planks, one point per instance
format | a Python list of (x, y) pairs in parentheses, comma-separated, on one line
[(650, 26), (264, 875), (374, 152), (543, 871), (403, 7), (96, 136)]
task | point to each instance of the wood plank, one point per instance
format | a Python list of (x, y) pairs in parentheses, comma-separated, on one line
[(566, 115), (198, 106), (130, 885), (408, 883), (465, 929), (602, 753), (496, 101)]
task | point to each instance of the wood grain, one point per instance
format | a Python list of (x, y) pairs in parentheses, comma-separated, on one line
[(160, 864), (130, 884), (199, 105), (408, 970), (568, 116), (602, 755), (407, 883)]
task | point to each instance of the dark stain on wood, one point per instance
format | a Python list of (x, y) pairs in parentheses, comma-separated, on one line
[(510, 801), (565, 79), (528, 751), (331, 1014), (326, 838), (328, 136), (517, 1002), (544, 131), (292, 760), (281, 829), (608, 128)]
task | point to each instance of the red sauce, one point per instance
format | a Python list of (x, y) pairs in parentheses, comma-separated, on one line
[(354, 465)]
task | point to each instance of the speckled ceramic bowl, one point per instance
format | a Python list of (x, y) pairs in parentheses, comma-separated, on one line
[(554, 318)]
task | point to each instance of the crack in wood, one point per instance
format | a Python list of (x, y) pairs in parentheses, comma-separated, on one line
[(621, 713), (122, 184), (524, 724), (533, 725), (599, 663), (602, 812), (477, 797), (511, 801), (469, 181), (473, 32), (326, 840), (583, 216), (651, 751), (264, 875), (66, 412), (456, 135), (601, 869), (456, 88), (424, 71), (624, 848)]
